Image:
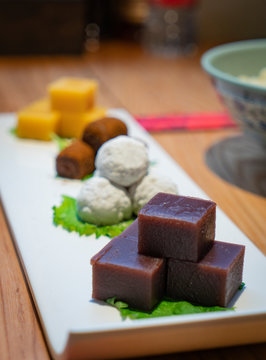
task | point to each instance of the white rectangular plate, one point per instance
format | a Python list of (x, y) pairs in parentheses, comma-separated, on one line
[(57, 263)]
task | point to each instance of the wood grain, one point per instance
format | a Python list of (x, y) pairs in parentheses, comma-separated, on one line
[(142, 84), (20, 333)]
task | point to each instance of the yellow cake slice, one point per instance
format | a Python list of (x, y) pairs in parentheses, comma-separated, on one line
[(72, 94), (72, 124), (37, 121), (41, 105)]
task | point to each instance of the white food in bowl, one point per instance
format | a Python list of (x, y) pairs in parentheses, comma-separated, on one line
[(102, 203), (123, 160), (256, 80)]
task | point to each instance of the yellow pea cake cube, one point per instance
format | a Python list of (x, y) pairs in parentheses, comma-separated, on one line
[(71, 125), (37, 125), (41, 105), (72, 94), (37, 121), (95, 114)]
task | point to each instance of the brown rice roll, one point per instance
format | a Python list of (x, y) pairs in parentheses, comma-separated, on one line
[(98, 132), (75, 161)]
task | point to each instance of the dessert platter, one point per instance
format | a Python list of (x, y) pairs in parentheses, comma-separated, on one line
[(58, 263)]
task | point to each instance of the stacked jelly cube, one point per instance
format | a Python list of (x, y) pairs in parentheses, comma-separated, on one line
[(169, 251), (69, 107)]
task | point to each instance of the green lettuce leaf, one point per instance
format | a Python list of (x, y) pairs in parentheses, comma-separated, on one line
[(62, 143), (86, 177), (241, 287), (13, 131), (165, 308), (66, 216)]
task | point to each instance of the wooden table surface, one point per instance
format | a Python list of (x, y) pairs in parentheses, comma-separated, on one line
[(142, 84)]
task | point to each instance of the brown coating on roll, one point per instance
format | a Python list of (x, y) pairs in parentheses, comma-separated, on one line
[(97, 132), (75, 161)]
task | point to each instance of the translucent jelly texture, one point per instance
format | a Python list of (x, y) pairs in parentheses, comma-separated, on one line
[(119, 271), (176, 226), (210, 282), (169, 251)]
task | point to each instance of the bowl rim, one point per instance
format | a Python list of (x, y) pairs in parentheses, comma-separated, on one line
[(209, 55)]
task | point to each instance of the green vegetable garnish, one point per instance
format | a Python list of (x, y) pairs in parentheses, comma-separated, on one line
[(165, 308), (62, 143), (153, 162), (87, 177), (242, 286), (13, 131), (66, 216)]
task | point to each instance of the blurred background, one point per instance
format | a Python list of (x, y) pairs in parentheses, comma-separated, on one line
[(78, 26)]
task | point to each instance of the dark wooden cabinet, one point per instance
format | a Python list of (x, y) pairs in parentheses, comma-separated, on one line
[(42, 26)]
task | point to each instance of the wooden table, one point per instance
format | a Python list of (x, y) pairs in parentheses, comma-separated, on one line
[(131, 79)]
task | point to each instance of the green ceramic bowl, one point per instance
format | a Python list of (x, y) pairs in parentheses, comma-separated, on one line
[(246, 102)]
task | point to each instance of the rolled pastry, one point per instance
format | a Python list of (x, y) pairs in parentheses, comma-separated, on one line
[(75, 161), (98, 132)]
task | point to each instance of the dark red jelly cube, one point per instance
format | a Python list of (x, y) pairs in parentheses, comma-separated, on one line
[(176, 226), (211, 282), (119, 271)]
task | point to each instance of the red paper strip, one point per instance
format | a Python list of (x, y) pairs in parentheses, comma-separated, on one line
[(198, 121)]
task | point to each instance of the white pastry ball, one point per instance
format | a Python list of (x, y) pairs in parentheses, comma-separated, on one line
[(147, 187), (102, 203), (123, 160)]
